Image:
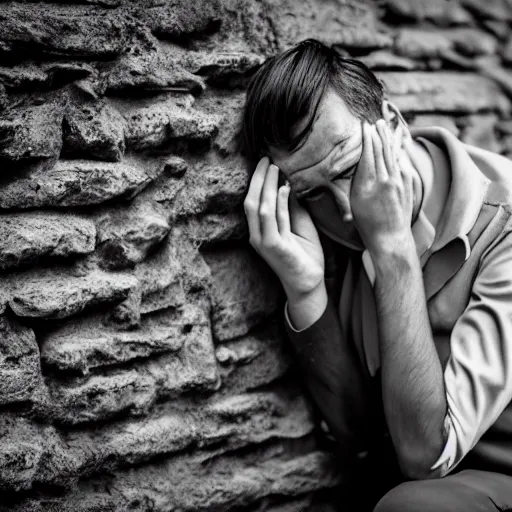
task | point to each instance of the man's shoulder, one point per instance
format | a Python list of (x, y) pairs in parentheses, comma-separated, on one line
[(498, 170)]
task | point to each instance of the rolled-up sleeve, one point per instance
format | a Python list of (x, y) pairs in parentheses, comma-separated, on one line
[(478, 374)]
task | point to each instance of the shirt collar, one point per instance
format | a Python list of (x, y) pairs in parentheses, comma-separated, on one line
[(467, 190)]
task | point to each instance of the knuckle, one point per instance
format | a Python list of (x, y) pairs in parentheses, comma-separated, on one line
[(269, 244), (265, 212), (249, 205)]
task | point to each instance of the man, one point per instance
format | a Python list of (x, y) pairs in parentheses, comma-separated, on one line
[(394, 249)]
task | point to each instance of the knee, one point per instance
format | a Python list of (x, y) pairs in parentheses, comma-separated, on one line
[(408, 497)]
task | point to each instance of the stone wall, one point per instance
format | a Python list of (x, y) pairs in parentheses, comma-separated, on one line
[(142, 360)]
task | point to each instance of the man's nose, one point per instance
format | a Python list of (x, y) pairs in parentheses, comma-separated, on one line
[(340, 189)]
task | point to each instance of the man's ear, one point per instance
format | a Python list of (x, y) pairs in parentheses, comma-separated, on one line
[(391, 114), (396, 123)]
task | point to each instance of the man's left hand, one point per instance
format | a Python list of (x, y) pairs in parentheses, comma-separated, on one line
[(381, 195)]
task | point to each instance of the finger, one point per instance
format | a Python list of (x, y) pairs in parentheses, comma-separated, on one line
[(387, 149), (268, 205), (299, 216), (283, 210), (366, 167), (253, 198), (381, 172), (343, 202)]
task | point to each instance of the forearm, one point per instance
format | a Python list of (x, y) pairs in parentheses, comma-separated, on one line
[(412, 378), (333, 375)]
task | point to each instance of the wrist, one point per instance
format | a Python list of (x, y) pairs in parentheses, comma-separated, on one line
[(396, 253), (306, 308), (392, 246)]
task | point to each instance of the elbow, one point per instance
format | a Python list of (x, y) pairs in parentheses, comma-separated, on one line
[(416, 464)]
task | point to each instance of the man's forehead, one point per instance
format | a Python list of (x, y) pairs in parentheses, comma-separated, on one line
[(331, 127)]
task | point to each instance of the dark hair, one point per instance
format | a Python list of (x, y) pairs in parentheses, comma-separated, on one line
[(288, 88)]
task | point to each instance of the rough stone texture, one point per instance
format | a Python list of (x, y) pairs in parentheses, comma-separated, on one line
[(74, 183), (126, 236), (64, 30), (244, 292), (154, 125), (142, 357), (58, 293), (32, 131), (455, 93), (19, 362), (82, 345), (94, 129), (28, 237)]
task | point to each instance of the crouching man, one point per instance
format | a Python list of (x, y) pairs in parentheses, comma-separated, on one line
[(394, 248)]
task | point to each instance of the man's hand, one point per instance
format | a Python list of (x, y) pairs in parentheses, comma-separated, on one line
[(283, 233), (381, 195)]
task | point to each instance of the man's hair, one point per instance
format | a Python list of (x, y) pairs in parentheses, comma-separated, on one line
[(288, 88)]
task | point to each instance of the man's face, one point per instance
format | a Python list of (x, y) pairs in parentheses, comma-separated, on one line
[(327, 159)]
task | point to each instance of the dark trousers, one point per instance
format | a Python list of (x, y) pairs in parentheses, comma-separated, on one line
[(469, 488)]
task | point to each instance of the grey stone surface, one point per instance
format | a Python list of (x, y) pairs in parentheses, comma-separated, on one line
[(85, 344), (244, 292), (61, 30), (127, 235), (94, 129), (20, 369), (27, 237), (74, 183)]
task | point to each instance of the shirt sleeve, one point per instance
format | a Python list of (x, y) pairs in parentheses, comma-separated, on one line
[(478, 375), (332, 376)]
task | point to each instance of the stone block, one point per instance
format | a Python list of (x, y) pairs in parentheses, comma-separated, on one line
[(133, 391), (27, 237), (149, 70), (444, 91), (84, 344), (440, 12), (426, 120), (253, 361), (222, 68), (171, 181), (350, 24), (70, 30), (127, 235), (99, 397), (161, 277), (237, 483), (239, 421), (20, 371), (491, 9), (94, 130), (159, 123), (418, 43), (32, 131), (21, 451), (245, 292), (74, 183), (177, 20), (386, 60), (59, 293), (36, 76), (213, 230), (213, 184)]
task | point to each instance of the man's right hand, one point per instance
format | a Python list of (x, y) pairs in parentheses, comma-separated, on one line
[(283, 234)]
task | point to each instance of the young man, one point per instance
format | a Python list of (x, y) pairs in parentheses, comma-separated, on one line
[(394, 248)]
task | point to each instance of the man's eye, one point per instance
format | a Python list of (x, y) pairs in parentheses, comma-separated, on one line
[(314, 195)]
